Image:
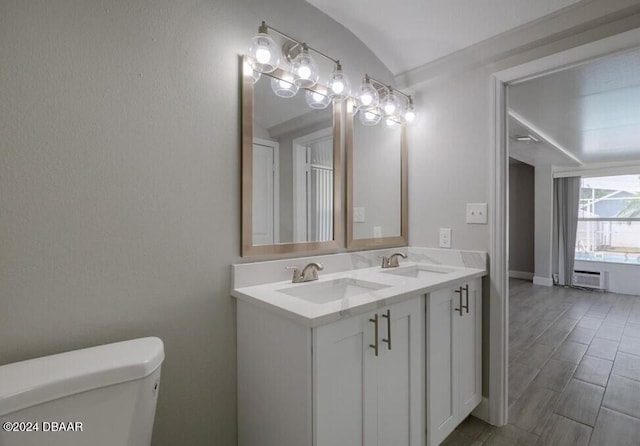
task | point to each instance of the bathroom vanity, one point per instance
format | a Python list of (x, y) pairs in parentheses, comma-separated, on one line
[(364, 355)]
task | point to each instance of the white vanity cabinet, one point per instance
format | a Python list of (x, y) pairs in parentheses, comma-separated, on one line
[(326, 386), (454, 352)]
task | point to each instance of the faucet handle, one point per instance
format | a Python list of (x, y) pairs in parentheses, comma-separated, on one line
[(297, 274)]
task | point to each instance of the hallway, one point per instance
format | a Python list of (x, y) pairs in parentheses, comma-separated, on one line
[(574, 371)]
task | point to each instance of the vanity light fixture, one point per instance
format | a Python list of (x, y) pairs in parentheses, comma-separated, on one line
[(373, 100), (392, 106)]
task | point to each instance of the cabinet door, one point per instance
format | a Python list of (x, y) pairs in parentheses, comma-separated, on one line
[(345, 385), (401, 375), (442, 365), (470, 350)]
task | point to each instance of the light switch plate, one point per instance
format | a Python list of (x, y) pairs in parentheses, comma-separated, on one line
[(445, 237), (477, 213), (358, 215), (377, 231)]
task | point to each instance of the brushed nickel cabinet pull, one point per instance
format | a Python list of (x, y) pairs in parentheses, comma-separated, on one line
[(459, 291), (466, 290), (388, 317), (374, 346)]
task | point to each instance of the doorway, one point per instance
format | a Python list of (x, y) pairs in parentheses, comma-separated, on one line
[(499, 285)]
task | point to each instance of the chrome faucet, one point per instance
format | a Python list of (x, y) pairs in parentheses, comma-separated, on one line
[(392, 260), (308, 273)]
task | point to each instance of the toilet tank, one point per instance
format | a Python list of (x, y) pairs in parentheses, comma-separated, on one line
[(99, 396)]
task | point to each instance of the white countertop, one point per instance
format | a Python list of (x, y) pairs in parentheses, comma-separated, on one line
[(398, 288)]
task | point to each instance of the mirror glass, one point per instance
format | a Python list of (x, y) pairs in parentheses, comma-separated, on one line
[(290, 168), (377, 184)]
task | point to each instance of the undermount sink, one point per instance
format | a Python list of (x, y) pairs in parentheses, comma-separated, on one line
[(331, 290), (419, 271)]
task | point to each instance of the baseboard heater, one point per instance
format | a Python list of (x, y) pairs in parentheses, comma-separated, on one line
[(597, 280)]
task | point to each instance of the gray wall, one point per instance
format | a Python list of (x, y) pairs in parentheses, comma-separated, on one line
[(521, 217), (120, 180), (450, 148)]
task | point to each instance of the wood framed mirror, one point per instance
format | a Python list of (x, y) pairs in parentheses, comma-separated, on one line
[(291, 169), (377, 206)]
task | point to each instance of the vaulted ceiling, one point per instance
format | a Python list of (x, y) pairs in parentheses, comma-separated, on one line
[(407, 34)]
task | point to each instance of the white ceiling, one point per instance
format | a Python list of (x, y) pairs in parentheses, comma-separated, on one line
[(591, 111), (407, 34)]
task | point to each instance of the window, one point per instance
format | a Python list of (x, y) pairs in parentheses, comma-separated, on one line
[(609, 219)]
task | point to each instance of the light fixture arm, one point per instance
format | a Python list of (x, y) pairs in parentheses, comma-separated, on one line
[(379, 85), (297, 42)]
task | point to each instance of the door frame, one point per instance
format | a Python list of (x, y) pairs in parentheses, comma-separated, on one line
[(499, 245)]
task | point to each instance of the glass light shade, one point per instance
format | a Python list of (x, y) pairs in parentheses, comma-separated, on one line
[(391, 105), (317, 100), (410, 114), (339, 86), (391, 122), (264, 53), (367, 96), (370, 115), (283, 88), (256, 76), (304, 69)]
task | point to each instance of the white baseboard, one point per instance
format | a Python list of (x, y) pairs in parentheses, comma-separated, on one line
[(482, 410), (545, 281), (521, 275)]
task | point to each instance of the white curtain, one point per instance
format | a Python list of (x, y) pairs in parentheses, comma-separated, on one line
[(566, 197)]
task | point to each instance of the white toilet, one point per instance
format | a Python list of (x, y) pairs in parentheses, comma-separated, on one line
[(99, 396)]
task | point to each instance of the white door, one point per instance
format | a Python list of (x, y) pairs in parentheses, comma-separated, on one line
[(442, 365), (344, 383), (401, 375), (366, 400), (265, 210), (470, 350)]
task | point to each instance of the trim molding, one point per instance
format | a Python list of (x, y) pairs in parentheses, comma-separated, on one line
[(482, 410), (521, 275), (580, 23), (544, 281)]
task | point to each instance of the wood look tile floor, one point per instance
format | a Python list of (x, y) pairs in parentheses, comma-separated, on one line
[(574, 371)]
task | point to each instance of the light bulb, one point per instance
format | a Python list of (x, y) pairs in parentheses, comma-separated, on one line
[(338, 83), (391, 105), (283, 88), (410, 113), (264, 54), (370, 116), (367, 95), (304, 68), (317, 100)]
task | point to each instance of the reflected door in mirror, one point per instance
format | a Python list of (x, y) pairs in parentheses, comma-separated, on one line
[(266, 203)]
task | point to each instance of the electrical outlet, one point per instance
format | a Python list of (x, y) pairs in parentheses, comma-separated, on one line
[(377, 231), (445, 237), (477, 213), (358, 215)]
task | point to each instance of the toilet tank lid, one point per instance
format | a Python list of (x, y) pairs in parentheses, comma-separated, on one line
[(35, 381)]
